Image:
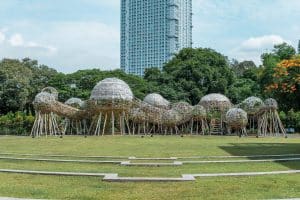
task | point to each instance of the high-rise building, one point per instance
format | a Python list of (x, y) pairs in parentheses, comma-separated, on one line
[(152, 31)]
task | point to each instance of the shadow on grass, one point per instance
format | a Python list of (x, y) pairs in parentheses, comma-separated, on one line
[(246, 149)]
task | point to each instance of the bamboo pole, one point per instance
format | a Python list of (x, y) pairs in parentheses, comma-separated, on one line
[(104, 125)]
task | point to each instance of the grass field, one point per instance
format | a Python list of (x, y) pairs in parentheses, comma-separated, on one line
[(60, 187)]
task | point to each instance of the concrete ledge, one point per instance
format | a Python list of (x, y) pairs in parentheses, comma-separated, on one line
[(246, 173), (148, 179), (111, 177), (60, 155), (134, 158), (52, 173), (249, 156), (240, 161), (128, 163), (62, 160), (11, 198)]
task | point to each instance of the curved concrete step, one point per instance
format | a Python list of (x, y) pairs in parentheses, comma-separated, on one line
[(111, 177)]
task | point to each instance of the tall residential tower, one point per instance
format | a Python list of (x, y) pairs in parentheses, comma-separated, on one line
[(152, 31)]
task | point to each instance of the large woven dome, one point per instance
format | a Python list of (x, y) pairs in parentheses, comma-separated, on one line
[(236, 118), (215, 101), (75, 102), (157, 100), (111, 89), (271, 104), (252, 105)]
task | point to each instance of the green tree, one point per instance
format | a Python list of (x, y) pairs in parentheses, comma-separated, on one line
[(191, 74), (242, 89), (266, 77), (284, 51), (15, 85), (241, 67)]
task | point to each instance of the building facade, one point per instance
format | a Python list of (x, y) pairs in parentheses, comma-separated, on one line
[(152, 31)]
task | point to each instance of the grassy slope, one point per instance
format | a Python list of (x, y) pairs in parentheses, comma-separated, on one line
[(264, 187)]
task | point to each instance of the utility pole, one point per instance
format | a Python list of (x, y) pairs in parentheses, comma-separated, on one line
[(299, 47)]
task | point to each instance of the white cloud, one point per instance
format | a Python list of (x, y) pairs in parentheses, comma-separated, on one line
[(38, 46), (262, 42), (83, 44), (68, 45), (16, 40), (2, 37), (17, 47), (110, 3), (252, 48)]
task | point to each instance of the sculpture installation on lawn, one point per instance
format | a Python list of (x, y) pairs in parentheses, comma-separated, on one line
[(112, 109)]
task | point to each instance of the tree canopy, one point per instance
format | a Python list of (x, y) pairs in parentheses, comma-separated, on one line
[(191, 74)]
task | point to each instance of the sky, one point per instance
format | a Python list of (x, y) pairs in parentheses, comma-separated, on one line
[(69, 35)]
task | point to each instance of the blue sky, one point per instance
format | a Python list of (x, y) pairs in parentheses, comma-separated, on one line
[(77, 34)]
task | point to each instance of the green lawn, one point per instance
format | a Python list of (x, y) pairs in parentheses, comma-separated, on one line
[(55, 187)]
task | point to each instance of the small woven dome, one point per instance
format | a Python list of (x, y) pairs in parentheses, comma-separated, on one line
[(75, 102), (43, 102), (271, 104), (215, 101), (52, 91), (111, 89), (184, 109), (44, 98), (137, 115), (171, 117), (252, 105), (199, 112), (153, 113), (236, 118), (157, 100)]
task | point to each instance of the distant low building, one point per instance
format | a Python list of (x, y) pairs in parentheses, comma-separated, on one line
[(152, 32)]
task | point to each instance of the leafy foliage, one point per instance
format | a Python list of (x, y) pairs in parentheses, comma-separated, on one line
[(191, 74), (18, 123)]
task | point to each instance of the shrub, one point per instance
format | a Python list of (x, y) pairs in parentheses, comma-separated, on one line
[(291, 119), (18, 123)]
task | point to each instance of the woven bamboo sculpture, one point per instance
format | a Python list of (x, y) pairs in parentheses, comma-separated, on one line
[(112, 109), (216, 106), (76, 124), (252, 106), (269, 121), (110, 103), (237, 119), (199, 121), (45, 119)]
